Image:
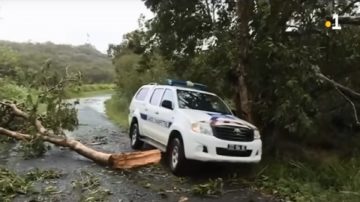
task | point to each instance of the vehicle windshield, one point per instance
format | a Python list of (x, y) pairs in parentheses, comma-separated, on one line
[(201, 101)]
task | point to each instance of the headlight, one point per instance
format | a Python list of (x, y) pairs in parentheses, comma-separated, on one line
[(201, 127), (257, 134)]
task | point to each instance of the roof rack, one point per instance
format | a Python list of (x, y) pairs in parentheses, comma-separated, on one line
[(187, 84), (153, 83)]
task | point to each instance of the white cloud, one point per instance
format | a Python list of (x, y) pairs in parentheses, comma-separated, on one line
[(69, 21)]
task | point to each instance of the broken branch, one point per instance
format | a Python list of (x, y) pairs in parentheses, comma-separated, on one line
[(351, 93), (121, 160), (352, 104)]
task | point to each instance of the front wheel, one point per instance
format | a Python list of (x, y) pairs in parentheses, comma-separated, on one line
[(135, 142), (177, 160)]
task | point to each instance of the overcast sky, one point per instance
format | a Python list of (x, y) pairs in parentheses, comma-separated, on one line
[(70, 21)]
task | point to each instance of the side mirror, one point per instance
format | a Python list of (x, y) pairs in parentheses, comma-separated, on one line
[(241, 115), (234, 112), (167, 104)]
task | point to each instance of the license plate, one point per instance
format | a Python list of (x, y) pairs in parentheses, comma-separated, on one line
[(235, 147)]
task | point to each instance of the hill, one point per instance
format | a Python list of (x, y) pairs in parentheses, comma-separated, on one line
[(95, 66)]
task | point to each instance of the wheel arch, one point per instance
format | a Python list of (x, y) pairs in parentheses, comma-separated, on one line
[(133, 120), (174, 134)]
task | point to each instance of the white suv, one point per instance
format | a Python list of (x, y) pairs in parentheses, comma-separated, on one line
[(187, 122)]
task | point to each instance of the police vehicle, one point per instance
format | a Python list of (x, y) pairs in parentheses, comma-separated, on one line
[(187, 122)]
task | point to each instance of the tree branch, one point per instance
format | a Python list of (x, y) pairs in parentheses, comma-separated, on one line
[(352, 104), (15, 135), (350, 93), (17, 112)]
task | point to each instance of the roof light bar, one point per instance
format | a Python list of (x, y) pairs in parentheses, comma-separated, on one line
[(188, 84)]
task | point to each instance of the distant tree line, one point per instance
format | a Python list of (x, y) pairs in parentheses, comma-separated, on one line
[(18, 60)]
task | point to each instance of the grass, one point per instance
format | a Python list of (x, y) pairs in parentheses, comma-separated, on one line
[(337, 180), (89, 90), (117, 110)]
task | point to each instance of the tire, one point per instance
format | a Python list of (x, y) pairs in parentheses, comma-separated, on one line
[(177, 161), (135, 142)]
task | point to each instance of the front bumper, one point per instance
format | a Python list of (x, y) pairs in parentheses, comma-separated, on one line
[(195, 144)]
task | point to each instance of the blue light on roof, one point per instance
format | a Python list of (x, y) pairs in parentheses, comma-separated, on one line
[(187, 84)]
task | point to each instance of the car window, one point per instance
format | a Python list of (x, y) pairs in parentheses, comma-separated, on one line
[(156, 96), (142, 94), (168, 95), (201, 101)]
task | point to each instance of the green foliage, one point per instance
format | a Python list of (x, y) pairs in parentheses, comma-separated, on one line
[(297, 181), (288, 45), (211, 188), (33, 148), (88, 90), (8, 61), (132, 71), (11, 91), (40, 175), (21, 60), (58, 115), (117, 110), (130, 76), (11, 185), (90, 187)]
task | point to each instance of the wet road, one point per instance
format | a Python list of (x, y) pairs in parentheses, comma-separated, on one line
[(151, 183)]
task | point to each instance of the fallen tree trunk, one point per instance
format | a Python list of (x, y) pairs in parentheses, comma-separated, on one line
[(120, 161)]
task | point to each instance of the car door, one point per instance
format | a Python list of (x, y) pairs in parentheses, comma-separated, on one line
[(152, 108), (166, 115), (140, 104)]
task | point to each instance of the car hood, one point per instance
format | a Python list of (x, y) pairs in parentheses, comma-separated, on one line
[(213, 117)]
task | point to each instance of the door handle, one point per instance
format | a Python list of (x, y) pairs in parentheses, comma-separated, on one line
[(146, 109), (156, 112)]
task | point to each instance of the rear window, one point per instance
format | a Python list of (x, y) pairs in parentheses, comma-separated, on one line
[(141, 95), (156, 96)]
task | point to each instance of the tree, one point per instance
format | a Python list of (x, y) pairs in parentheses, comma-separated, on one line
[(267, 55), (9, 60), (245, 11), (22, 121)]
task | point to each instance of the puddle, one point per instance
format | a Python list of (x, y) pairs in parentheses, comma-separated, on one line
[(96, 103)]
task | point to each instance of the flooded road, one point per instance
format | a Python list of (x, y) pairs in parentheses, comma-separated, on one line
[(150, 183)]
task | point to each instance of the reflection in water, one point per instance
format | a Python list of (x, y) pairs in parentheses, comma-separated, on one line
[(97, 103)]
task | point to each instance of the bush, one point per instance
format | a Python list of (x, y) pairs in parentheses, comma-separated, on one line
[(9, 91), (88, 90), (117, 109), (326, 181)]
